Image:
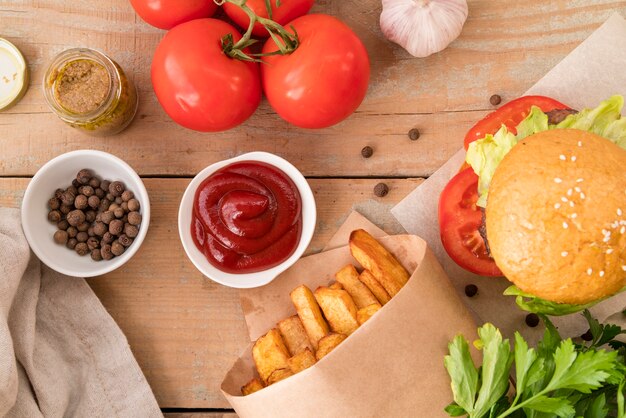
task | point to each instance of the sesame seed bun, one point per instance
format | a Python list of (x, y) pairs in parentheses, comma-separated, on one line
[(556, 216)]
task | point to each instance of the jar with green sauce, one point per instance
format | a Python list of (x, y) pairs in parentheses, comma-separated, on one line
[(90, 92)]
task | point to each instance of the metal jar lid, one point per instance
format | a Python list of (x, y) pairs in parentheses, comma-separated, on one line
[(13, 74)]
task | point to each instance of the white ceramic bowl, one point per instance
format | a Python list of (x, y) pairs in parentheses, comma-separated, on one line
[(59, 173), (247, 280)]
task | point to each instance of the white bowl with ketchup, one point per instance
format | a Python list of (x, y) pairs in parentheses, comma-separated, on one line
[(245, 220)]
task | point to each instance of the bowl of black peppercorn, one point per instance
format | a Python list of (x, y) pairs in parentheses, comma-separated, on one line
[(85, 213)]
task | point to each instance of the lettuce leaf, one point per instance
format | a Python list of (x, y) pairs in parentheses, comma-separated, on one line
[(484, 155)]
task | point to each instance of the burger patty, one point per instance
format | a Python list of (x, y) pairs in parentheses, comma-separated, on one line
[(555, 117)]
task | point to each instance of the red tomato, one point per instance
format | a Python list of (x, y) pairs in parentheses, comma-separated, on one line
[(511, 114), (283, 14), (165, 14), (459, 220), (324, 80), (198, 85)]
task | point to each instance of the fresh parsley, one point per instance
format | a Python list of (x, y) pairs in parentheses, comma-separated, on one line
[(558, 378)]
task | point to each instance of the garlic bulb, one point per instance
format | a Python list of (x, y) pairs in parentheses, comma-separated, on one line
[(423, 27)]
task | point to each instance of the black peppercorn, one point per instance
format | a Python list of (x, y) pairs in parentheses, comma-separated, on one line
[(54, 203), (104, 185), (116, 188), (110, 197), (380, 190), (61, 237), (414, 134), (131, 230), (113, 206), (86, 190), (133, 205), (80, 202), (471, 290), (104, 205), (58, 193), (83, 227), (72, 231), (76, 217), (100, 228), (125, 240), (119, 213), (100, 193), (96, 255), (54, 216), (71, 243), (127, 195), (124, 206), (107, 217), (532, 320), (105, 252), (495, 100), (117, 248), (587, 336), (90, 232), (367, 152), (65, 209), (90, 216), (93, 243), (82, 237), (94, 182), (63, 224), (74, 187), (116, 226), (84, 176), (68, 198), (93, 202), (82, 248)]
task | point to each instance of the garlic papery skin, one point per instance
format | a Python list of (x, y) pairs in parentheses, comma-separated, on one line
[(423, 27)]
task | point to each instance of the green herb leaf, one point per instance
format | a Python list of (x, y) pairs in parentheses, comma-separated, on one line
[(560, 407), (463, 373), (454, 410), (524, 359), (497, 360)]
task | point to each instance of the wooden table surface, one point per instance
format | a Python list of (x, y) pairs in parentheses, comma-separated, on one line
[(185, 330)]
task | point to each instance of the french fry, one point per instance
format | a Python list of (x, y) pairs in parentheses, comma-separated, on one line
[(278, 375), (310, 314), (368, 279), (328, 344), (303, 360), (366, 313), (339, 309), (252, 386), (270, 354), (294, 335), (348, 277), (375, 258), (336, 286)]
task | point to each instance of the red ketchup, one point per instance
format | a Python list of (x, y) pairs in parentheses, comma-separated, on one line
[(247, 217)]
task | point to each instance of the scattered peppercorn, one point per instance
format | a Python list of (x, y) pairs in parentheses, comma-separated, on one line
[(367, 152), (495, 100), (380, 190), (471, 290), (587, 336), (414, 134), (532, 320)]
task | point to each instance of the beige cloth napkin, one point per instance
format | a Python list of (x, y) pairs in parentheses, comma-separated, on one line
[(61, 354)]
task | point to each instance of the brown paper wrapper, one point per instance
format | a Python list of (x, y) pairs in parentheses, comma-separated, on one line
[(391, 366)]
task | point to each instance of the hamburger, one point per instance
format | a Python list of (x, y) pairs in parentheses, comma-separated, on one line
[(542, 202)]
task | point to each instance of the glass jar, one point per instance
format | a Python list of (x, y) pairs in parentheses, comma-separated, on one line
[(90, 92)]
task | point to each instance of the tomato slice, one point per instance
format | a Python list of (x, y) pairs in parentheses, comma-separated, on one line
[(459, 220), (511, 114)]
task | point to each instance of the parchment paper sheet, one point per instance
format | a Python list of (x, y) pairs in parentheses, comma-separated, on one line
[(594, 71), (391, 366)]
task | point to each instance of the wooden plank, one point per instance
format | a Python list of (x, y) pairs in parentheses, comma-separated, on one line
[(185, 330), (504, 48)]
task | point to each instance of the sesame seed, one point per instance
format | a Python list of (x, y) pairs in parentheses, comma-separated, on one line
[(573, 158), (579, 180), (624, 268), (580, 143), (607, 238), (564, 254), (558, 180), (557, 205), (602, 273), (577, 189), (622, 230), (573, 216), (606, 232), (569, 192), (565, 225), (619, 212), (562, 157), (609, 251), (589, 271), (582, 196), (571, 203), (564, 199)]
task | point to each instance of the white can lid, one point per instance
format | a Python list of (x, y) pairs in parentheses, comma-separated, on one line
[(13, 74)]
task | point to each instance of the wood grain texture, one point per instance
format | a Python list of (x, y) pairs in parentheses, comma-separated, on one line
[(185, 330), (504, 48)]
